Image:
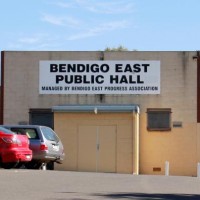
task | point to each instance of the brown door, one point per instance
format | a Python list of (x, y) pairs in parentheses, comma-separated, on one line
[(87, 148), (97, 148), (106, 154)]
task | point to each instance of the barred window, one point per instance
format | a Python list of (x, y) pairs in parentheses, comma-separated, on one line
[(159, 119)]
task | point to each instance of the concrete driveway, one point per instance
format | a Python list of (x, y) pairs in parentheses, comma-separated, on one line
[(62, 185)]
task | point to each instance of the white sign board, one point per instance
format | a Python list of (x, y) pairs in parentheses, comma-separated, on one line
[(99, 77)]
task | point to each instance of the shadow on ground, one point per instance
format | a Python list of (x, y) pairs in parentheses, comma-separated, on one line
[(142, 196)]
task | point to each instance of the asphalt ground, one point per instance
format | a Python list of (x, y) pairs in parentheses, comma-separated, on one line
[(61, 185)]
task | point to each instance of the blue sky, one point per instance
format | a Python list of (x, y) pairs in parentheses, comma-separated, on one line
[(90, 25)]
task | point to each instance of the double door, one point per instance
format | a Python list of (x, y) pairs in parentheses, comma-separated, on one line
[(97, 148)]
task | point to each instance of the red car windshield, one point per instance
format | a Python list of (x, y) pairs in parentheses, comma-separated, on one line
[(4, 130)]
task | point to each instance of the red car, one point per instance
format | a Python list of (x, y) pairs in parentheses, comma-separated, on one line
[(14, 149)]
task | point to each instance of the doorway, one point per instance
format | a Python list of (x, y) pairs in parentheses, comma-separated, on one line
[(97, 148)]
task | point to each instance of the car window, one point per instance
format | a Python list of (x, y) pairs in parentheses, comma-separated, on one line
[(49, 134), (18, 131), (5, 130), (29, 132)]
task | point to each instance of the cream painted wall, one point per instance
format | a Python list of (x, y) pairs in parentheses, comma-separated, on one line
[(178, 146), (67, 126)]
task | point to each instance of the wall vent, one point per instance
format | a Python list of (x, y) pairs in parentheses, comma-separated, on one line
[(177, 124)]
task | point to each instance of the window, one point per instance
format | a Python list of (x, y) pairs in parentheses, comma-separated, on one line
[(159, 119), (49, 134), (30, 133), (41, 117)]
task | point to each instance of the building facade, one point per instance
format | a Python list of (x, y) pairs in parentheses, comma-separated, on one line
[(121, 112)]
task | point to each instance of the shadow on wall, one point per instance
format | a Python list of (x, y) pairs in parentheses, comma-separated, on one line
[(143, 196)]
